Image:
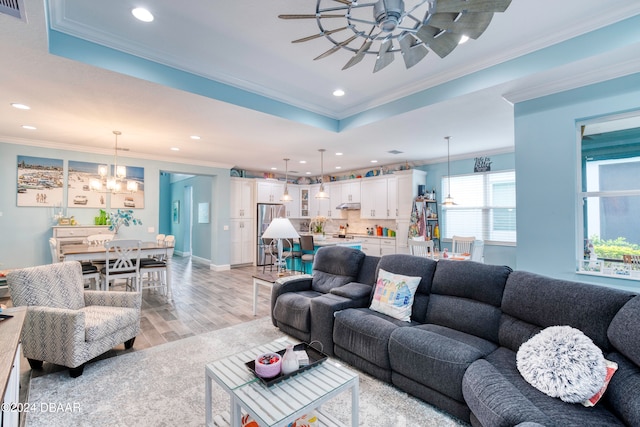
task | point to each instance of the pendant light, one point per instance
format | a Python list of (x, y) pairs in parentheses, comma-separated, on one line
[(448, 201), (322, 194), (116, 183), (286, 197)]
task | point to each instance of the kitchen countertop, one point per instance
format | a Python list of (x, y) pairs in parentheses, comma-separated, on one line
[(336, 241)]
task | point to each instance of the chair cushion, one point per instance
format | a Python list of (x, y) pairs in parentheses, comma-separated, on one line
[(102, 321), (58, 285), (90, 268)]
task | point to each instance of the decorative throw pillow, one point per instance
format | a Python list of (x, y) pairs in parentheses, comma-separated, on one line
[(562, 362), (612, 367), (393, 295)]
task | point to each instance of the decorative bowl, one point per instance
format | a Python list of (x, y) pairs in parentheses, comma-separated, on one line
[(268, 365)]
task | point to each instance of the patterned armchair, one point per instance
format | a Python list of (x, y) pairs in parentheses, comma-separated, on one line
[(67, 325)]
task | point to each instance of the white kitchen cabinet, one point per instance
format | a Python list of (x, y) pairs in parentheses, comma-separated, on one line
[(376, 246), (392, 197), (374, 198), (292, 208), (350, 191), (407, 190), (335, 198), (319, 207), (269, 191), (241, 241), (305, 207), (242, 198)]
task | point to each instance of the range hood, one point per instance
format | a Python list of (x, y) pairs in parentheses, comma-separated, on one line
[(349, 206)]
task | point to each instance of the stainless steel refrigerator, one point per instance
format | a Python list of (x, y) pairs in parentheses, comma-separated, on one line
[(266, 212)]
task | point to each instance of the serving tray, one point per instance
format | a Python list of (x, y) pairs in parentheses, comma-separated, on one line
[(315, 357)]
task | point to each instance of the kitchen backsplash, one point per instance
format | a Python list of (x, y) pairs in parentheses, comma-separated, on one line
[(356, 224)]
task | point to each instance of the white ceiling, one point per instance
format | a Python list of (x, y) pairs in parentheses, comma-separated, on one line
[(243, 45)]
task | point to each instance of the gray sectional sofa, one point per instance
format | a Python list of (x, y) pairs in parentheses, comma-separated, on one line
[(468, 320)]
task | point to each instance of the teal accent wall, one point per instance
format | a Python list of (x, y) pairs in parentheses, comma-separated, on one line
[(547, 161), (25, 231)]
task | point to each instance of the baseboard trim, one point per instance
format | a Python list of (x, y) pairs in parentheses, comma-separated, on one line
[(224, 267)]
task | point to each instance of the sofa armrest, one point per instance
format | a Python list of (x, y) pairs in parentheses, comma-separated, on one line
[(353, 291), (38, 319), (288, 284), (113, 299)]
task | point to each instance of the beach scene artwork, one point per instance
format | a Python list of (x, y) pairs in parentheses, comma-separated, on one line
[(79, 194), (133, 200), (40, 181)]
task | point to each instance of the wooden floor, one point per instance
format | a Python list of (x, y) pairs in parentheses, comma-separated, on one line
[(203, 300)]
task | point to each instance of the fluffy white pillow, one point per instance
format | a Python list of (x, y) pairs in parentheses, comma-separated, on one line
[(562, 362), (393, 295)]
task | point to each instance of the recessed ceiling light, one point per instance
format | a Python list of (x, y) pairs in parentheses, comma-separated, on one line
[(338, 167), (274, 169), (20, 106), (303, 161), (338, 154), (142, 14), (175, 149), (195, 137), (338, 92), (308, 173), (29, 127), (463, 39), (374, 161)]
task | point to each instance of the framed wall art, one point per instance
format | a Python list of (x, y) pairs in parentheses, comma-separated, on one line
[(40, 181)]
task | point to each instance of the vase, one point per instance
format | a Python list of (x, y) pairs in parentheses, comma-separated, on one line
[(289, 361)]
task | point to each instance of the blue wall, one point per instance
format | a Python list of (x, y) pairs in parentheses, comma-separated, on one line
[(547, 161), (25, 230)]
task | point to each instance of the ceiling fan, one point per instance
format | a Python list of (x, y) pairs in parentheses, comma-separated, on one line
[(411, 27)]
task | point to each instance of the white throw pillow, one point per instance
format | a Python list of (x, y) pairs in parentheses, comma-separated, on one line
[(562, 362), (393, 295)]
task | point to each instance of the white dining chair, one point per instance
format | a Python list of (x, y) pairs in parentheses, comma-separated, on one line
[(421, 248), (123, 263), (89, 271), (462, 245)]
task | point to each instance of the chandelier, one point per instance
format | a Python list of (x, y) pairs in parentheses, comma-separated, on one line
[(116, 183), (411, 27)]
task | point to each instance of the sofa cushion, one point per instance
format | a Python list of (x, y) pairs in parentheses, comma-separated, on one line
[(335, 266), (410, 265), (466, 296), (498, 396), (624, 330), (562, 362), (525, 293), (442, 355), (393, 295), (365, 333), (623, 391), (293, 308), (103, 321), (353, 290)]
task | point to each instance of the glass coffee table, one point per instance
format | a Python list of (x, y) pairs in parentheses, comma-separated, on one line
[(283, 402)]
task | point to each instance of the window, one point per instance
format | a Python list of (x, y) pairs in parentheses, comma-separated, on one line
[(485, 206), (610, 194)]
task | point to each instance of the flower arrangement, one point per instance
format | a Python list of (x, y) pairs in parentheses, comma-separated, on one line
[(120, 218), (317, 224)]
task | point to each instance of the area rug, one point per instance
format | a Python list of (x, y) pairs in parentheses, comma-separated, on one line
[(164, 386)]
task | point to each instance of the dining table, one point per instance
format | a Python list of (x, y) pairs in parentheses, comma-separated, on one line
[(96, 253)]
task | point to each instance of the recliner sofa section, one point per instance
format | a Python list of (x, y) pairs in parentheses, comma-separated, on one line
[(468, 320), (304, 307)]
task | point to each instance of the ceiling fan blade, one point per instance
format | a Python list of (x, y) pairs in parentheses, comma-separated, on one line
[(385, 57), (309, 16), (315, 36), (472, 5), (335, 48), (442, 45), (359, 55), (347, 2), (470, 24), (411, 53)]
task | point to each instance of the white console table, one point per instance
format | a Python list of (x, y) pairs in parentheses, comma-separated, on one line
[(75, 234)]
